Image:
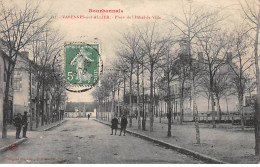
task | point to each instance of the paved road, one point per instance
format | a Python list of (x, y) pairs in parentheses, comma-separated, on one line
[(85, 141)]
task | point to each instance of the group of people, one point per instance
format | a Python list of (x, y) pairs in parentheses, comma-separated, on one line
[(21, 122), (114, 124)]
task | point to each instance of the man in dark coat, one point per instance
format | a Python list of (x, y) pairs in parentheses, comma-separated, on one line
[(18, 124), (88, 116), (123, 124), (114, 123), (25, 124)]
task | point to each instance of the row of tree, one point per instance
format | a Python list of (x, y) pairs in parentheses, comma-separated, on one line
[(26, 28), (211, 58)]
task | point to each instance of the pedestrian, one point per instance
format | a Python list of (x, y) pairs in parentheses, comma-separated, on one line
[(114, 123), (88, 116), (123, 124), (18, 124), (25, 124)]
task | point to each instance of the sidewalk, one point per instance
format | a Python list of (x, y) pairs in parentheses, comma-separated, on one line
[(230, 145), (11, 134)]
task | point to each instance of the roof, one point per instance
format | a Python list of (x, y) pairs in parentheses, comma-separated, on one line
[(5, 56), (89, 106)]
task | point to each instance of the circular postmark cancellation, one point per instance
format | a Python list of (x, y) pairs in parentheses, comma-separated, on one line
[(83, 66)]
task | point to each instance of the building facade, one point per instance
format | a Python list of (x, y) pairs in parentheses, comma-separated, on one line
[(5, 61)]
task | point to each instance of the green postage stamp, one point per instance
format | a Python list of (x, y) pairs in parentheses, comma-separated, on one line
[(82, 66)]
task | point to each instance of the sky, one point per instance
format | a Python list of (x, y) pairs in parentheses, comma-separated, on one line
[(107, 31)]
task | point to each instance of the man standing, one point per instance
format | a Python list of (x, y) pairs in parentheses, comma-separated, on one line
[(114, 123), (123, 124), (18, 124), (88, 116), (25, 124)]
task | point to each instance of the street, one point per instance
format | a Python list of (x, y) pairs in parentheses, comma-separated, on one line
[(79, 140)]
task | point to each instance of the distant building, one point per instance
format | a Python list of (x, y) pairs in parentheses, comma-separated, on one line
[(203, 105), (81, 109)]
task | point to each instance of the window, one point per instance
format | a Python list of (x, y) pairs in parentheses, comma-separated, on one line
[(17, 84)]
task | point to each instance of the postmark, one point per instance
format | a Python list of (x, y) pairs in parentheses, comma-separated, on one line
[(83, 66)]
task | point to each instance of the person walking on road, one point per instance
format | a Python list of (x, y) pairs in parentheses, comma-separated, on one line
[(25, 124), (88, 116), (123, 124), (18, 124), (114, 123)]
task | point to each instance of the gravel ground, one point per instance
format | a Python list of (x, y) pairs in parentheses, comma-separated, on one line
[(85, 141), (227, 144)]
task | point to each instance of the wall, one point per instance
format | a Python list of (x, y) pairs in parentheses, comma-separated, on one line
[(21, 96)]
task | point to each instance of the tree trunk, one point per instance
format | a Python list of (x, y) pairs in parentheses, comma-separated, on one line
[(219, 110), (113, 103), (227, 104), (181, 103), (131, 106), (6, 106), (151, 98), (169, 105), (240, 102), (212, 103), (42, 105), (118, 102), (257, 111), (37, 106), (197, 124), (138, 94)]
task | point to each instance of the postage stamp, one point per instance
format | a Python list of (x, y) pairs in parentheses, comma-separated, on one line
[(82, 66)]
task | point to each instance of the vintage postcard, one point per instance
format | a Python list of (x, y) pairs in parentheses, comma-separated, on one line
[(129, 82)]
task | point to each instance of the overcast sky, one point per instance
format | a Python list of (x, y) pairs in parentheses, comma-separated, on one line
[(108, 31)]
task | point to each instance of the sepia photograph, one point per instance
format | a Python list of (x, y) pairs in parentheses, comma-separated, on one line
[(129, 82)]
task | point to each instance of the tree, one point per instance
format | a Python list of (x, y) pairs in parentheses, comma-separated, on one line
[(130, 41), (168, 64), (152, 44), (212, 44), (251, 11), (240, 63), (182, 67), (195, 22), (46, 48), (16, 31), (221, 85)]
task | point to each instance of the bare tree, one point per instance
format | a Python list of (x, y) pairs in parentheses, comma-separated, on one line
[(251, 10), (195, 21), (240, 64), (46, 48), (131, 42), (221, 85), (16, 32), (152, 44), (212, 44), (168, 64)]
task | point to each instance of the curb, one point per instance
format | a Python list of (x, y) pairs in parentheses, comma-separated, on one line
[(50, 128), (179, 149), (16, 143)]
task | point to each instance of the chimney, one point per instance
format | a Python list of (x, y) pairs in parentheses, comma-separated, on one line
[(229, 57), (25, 54), (183, 47)]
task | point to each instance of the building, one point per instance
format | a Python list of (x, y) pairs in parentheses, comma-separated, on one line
[(81, 109), (4, 59), (228, 104), (24, 86)]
